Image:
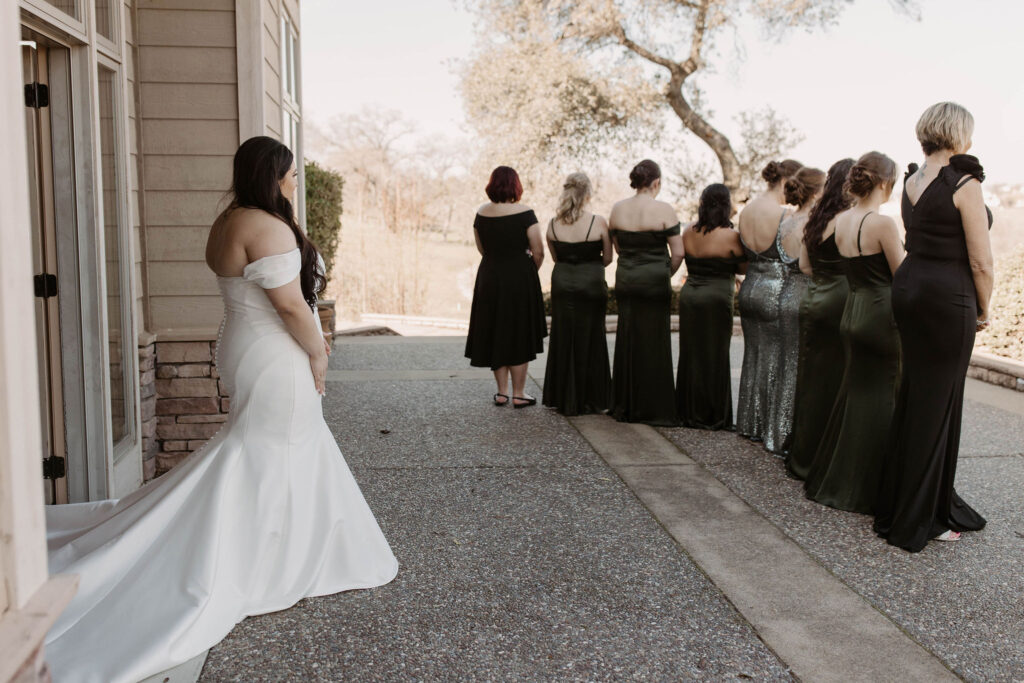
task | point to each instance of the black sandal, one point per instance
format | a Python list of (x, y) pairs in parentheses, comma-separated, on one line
[(501, 403), (526, 401)]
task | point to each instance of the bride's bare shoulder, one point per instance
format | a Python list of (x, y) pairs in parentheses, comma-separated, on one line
[(257, 232)]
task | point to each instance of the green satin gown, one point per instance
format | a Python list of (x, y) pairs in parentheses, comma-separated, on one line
[(642, 375), (847, 468), (821, 355), (704, 378)]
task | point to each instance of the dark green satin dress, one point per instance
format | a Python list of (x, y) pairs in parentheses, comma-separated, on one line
[(821, 355), (704, 377), (642, 382), (578, 379), (847, 468)]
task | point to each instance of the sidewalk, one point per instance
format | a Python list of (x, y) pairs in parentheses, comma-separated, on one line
[(524, 555)]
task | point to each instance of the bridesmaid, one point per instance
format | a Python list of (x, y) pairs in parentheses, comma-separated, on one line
[(759, 300), (847, 467), (802, 191), (506, 320), (714, 255), (646, 235), (578, 379), (940, 299), (821, 350)]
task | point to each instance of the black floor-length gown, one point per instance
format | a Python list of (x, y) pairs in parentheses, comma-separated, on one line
[(936, 309), (847, 467), (578, 378), (642, 377), (821, 355), (704, 377), (506, 322)]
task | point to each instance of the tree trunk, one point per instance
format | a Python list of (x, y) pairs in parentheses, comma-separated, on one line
[(711, 136)]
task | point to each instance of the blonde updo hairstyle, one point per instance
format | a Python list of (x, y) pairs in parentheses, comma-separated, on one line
[(872, 170), (804, 185), (946, 125), (575, 193), (776, 171)]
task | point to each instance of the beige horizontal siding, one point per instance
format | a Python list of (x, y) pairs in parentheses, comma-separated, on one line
[(201, 313), (183, 208), (186, 28), (170, 136), (198, 5), (181, 278), (188, 172), (178, 243), (189, 101), (188, 64)]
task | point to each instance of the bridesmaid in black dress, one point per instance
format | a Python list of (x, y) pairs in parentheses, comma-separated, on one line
[(646, 236), (714, 255), (506, 321), (940, 299), (820, 368), (578, 379)]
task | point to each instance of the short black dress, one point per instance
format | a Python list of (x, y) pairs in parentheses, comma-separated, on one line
[(936, 309), (506, 322)]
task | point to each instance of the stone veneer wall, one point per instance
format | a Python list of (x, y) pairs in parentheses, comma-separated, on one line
[(190, 402), (147, 399)]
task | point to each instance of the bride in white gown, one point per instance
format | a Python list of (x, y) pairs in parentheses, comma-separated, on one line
[(267, 513)]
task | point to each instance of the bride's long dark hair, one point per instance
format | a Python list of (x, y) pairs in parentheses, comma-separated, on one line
[(261, 163)]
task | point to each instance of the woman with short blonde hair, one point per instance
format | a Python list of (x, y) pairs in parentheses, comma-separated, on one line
[(577, 379), (940, 299)]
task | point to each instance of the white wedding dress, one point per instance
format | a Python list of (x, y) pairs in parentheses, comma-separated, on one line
[(267, 513)]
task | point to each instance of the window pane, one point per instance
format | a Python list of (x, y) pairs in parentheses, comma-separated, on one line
[(118, 327), (66, 6), (106, 20)]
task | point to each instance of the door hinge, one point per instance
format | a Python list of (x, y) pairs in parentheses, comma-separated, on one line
[(54, 468), (46, 285), (37, 95)]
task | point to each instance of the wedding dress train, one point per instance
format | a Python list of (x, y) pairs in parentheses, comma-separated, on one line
[(267, 513)]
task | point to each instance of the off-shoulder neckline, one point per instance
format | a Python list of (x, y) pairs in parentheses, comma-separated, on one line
[(245, 270)]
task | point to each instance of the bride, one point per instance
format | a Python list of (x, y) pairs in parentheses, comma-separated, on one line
[(267, 513)]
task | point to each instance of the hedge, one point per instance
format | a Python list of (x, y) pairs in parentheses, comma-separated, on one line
[(323, 211)]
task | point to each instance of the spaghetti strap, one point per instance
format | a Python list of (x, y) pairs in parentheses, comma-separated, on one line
[(859, 228), (551, 224), (963, 181), (592, 217)]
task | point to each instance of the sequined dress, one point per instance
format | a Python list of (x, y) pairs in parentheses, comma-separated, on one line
[(758, 302), (783, 392)]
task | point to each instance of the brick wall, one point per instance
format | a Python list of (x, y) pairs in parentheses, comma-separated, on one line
[(190, 402), (147, 399)]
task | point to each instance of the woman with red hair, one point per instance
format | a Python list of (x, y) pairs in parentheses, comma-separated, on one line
[(506, 321)]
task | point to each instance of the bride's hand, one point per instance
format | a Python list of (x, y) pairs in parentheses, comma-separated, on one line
[(318, 364), (327, 344)]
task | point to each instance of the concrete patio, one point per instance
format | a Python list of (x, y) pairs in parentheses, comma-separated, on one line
[(536, 547)]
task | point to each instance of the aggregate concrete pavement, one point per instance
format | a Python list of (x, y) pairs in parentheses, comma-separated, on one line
[(524, 555)]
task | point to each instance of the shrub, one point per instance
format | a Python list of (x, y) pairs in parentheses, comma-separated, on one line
[(1005, 336), (323, 211)]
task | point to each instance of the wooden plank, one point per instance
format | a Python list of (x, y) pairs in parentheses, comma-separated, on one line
[(185, 311), (181, 278), (186, 209), (270, 14), (176, 244), (272, 116), (187, 64), (271, 38), (292, 6), (23, 630), (189, 101), (187, 172), (170, 136), (186, 28)]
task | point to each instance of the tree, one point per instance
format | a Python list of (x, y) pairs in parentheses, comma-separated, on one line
[(600, 40)]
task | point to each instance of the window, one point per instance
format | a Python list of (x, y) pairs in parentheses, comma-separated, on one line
[(106, 18), (289, 54), (69, 7), (121, 349)]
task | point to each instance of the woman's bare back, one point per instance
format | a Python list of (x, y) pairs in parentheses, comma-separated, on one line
[(759, 222)]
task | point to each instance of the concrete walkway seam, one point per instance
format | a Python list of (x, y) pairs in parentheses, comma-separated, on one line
[(815, 623)]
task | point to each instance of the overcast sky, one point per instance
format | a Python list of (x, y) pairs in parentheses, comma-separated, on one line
[(857, 87)]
